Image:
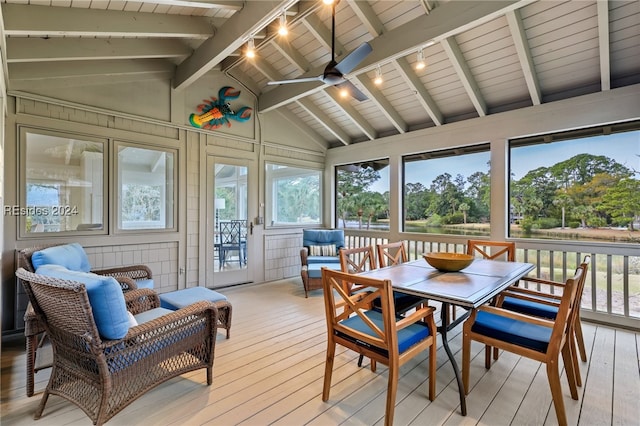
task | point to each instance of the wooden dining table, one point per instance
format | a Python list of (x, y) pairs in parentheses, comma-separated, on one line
[(469, 288)]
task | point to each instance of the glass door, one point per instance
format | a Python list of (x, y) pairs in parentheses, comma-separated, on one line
[(229, 227)]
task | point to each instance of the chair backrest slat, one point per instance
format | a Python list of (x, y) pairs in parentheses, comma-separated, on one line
[(390, 254), (492, 250)]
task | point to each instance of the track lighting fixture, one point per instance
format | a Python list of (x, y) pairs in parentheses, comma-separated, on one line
[(378, 79), (282, 29), (420, 64), (251, 49)]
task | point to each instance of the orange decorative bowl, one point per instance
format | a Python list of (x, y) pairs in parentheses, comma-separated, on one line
[(448, 262)]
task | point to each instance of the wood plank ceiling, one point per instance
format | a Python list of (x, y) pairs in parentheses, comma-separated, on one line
[(483, 57)]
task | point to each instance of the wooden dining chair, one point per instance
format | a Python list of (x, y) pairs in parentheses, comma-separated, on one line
[(533, 337), (543, 301), (390, 254), (491, 250), (352, 322)]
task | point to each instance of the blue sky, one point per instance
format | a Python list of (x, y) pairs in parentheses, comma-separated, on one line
[(622, 147)]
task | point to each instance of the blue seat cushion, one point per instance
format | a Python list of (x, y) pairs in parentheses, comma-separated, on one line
[(315, 269), (530, 307), (145, 283), (407, 337), (510, 330), (71, 256), (180, 298), (105, 296), (151, 314), (323, 259)]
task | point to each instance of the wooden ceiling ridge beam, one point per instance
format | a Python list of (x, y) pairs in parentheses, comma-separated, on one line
[(35, 20), (524, 55), (71, 49), (444, 21), (231, 35)]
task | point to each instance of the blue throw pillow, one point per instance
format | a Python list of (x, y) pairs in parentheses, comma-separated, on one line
[(105, 296), (71, 256)]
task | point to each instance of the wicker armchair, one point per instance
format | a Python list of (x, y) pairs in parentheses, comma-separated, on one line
[(33, 329), (104, 376)]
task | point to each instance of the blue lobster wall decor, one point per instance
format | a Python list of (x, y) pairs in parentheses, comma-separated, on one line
[(213, 113)]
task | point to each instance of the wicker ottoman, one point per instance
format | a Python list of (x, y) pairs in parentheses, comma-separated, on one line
[(175, 300)]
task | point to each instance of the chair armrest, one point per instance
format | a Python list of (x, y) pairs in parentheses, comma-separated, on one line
[(532, 295), (148, 344), (126, 283), (542, 281), (135, 272), (424, 312), (141, 300), (303, 256)]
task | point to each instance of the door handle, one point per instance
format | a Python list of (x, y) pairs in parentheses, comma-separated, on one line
[(251, 228)]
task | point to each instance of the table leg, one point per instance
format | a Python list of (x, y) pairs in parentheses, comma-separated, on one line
[(444, 328)]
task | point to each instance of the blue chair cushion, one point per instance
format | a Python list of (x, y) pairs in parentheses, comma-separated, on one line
[(71, 256), (407, 337), (145, 283), (180, 298), (323, 259), (315, 269), (151, 314), (105, 296), (510, 330), (316, 237), (530, 308)]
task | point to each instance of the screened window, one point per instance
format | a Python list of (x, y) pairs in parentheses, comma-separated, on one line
[(62, 183), (293, 195), (448, 192), (146, 189), (578, 185), (362, 195)]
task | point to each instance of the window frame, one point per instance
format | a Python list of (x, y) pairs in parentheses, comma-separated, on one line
[(23, 131), (117, 188), (481, 147), (270, 204)]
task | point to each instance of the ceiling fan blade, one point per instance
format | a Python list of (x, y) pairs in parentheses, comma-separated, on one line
[(350, 61), (352, 90), (295, 80)]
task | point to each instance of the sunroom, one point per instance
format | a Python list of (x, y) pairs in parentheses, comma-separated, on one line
[(141, 130)]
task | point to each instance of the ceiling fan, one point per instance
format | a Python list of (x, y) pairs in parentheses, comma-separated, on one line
[(334, 71)]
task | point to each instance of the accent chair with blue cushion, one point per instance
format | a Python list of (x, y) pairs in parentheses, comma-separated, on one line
[(74, 258), (540, 339), (378, 334), (104, 358), (320, 248)]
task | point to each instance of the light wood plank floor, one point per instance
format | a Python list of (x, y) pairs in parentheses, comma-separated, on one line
[(271, 371)]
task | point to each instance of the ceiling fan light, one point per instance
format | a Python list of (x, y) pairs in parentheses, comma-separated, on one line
[(327, 2), (251, 49), (344, 93), (282, 29), (378, 79)]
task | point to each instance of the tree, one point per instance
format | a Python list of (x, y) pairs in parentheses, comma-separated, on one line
[(563, 201), (464, 208), (352, 180), (622, 201)]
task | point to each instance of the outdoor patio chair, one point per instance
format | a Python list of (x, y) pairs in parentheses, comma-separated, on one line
[(232, 240), (545, 304), (532, 337), (127, 276), (491, 250), (102, 359), (375, 333)]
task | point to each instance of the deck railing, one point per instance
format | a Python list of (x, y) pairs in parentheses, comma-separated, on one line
[(612, 291)]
